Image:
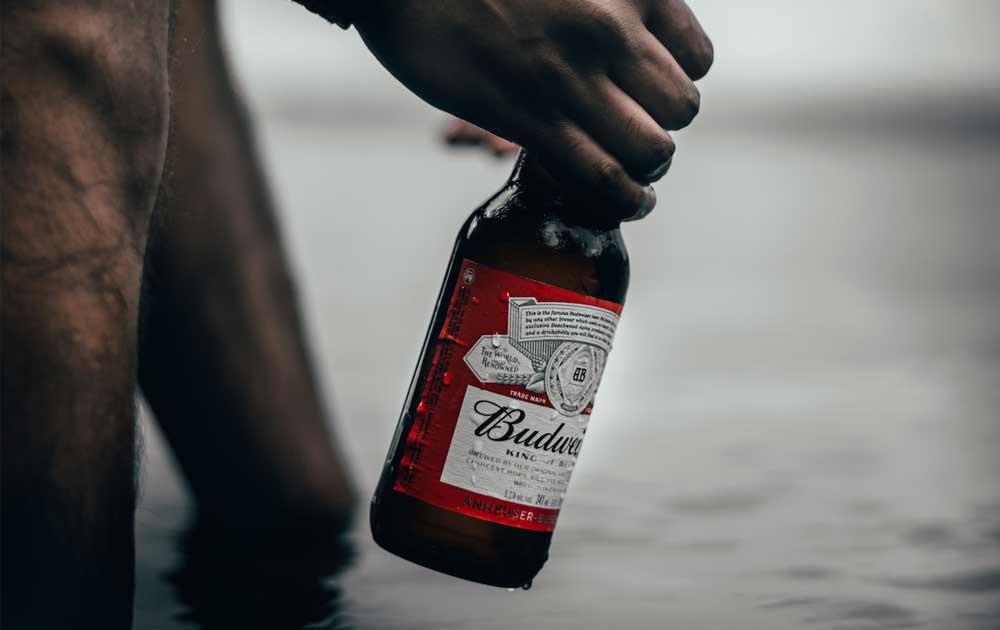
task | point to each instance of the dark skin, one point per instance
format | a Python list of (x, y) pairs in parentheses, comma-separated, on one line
[(83, 147), (589, 86), (90, 102), (223, 359)]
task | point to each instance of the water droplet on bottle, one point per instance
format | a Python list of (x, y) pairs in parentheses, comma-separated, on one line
[(474, 479), (505, 296), (475, 300), (515, 404), (477, 446), (421, 407), (446, 379), (496, 340)]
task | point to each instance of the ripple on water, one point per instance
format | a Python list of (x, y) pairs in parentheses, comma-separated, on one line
[(932, 535), (854, 613), (965, 536), (981, 581), (994, 534), (878, 614), (722, 502), (794, 602), (809, 573)]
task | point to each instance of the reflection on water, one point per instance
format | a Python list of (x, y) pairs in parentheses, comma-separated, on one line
[(276, 582)]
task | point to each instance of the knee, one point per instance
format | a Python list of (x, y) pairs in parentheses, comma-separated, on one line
[(102, 65), (85, 117)]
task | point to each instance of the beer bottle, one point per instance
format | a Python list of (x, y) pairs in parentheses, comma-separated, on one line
[(502, 394)]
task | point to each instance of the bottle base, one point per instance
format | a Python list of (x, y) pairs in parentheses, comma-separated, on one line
[(457, 545), (441, 564)]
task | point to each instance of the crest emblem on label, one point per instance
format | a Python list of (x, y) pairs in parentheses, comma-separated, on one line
[(572, 375), (556, 347)]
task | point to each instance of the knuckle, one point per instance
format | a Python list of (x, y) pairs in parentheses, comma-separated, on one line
[(687, 105), (601, 14), (650, 146), (661, 150), (568, 141), (633, 127), (552, 73), (633, 49), (609, 177), (545, 64), (544, 57), (692, 101), (702, 58), (607, 21)]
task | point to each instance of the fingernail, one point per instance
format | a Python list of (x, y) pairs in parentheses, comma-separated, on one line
[(658, 172), (648, 203)]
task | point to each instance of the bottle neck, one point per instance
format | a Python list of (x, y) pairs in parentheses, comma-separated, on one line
[(544, 194)]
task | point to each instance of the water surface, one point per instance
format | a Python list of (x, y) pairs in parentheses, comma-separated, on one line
[(798, 426)]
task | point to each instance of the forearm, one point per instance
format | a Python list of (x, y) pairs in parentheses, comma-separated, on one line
[(339, 12)]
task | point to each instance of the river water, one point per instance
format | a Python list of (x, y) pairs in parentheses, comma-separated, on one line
[(798, 426)]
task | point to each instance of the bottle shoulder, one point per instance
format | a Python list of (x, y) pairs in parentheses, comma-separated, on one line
[(525, 237)]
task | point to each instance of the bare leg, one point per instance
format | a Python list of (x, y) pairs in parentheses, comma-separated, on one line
[(84, 118), (223, 360)]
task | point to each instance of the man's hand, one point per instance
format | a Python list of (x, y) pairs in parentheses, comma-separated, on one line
[(591, 86)]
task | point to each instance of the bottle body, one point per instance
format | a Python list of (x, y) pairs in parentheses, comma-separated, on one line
[(498, 406)]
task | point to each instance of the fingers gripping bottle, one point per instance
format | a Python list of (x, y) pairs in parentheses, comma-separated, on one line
[(499, 404)]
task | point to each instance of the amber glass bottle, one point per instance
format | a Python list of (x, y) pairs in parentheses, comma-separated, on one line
[(502, 393)]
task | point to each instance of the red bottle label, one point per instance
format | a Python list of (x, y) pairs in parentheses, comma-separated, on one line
[(505, 405)]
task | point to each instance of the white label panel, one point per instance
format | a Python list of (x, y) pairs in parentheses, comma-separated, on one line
[(513, 449)]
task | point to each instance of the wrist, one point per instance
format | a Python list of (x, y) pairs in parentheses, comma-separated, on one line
[(339, 12)]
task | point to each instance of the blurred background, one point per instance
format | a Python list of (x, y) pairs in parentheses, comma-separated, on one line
[(800, 424)]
